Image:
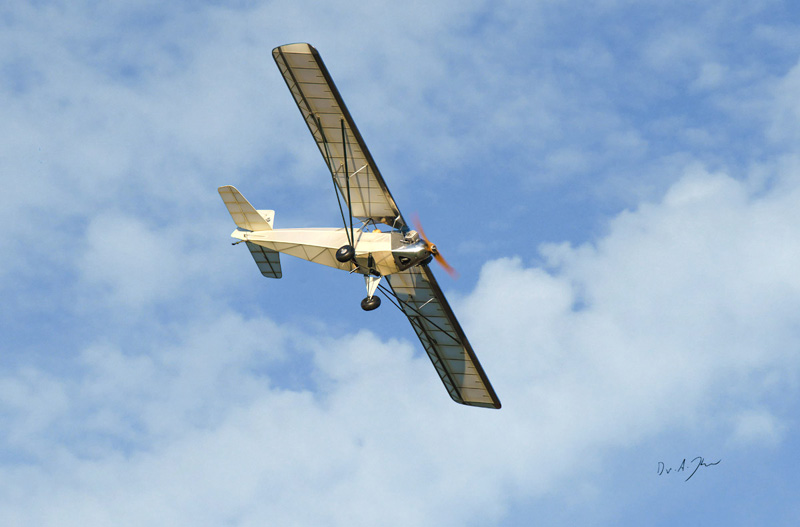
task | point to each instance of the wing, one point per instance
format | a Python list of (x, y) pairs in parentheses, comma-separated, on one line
[(336, 134), (430, 315)]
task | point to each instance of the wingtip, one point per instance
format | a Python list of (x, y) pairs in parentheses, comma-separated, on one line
[(294, 47)]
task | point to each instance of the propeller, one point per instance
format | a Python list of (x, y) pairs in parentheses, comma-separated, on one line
[(432, 248)]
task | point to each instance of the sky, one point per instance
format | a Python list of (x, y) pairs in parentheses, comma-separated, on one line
[(617, 182)]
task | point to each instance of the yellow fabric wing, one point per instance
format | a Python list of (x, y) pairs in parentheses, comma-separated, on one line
[(336, 134), (441, 335)]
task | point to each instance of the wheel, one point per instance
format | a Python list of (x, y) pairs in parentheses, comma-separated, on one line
[(345, 253), (368, 304)]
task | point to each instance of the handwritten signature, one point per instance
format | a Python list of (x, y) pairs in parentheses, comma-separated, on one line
[(698, 462)]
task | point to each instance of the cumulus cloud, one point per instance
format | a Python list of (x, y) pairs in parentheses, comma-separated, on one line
[(787, 110), (131, 263), (757, 427), (685, 304)]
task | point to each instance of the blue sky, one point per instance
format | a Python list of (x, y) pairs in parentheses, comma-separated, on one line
[(617, 183)]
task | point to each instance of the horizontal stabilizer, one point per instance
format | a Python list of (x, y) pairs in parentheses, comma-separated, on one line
[(267, 260), (245, 215)]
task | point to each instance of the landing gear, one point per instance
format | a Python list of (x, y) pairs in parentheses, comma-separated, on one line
[(345, 253), (370, 303)]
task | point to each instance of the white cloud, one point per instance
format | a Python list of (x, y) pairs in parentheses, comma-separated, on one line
[(130, 262), (680, 311), (786, 111), (757, 427), (711, 76), (30, 400)]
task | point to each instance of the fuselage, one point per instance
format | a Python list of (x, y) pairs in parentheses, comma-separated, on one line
[(378, 252)]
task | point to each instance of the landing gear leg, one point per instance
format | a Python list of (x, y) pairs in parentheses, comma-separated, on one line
[(372, 301)]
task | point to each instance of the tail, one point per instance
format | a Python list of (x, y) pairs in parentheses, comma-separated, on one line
[(245, 215), (248, 218)]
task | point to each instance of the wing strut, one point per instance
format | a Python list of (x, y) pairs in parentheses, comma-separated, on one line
[(338, 199), (389, 294), (350, 235), (347, 183)]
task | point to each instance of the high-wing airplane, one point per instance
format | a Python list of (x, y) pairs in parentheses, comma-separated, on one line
[(383, 246)]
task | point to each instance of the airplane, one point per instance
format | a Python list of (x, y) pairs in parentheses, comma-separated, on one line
[(383, 246)]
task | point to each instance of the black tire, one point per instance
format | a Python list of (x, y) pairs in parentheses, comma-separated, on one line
[(345, 253), (368, 304)]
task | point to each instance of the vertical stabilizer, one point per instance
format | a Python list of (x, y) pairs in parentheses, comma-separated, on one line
[(245, 215)]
